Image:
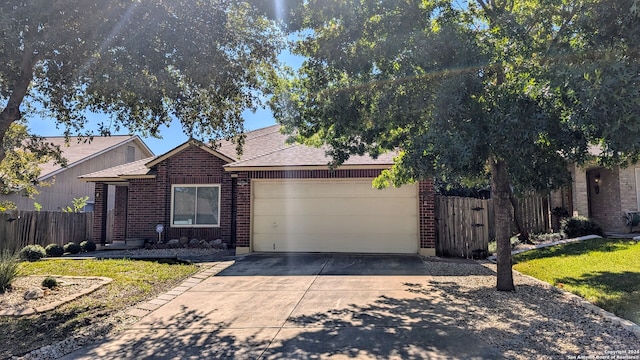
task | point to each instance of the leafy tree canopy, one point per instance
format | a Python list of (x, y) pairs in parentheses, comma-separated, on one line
[(20, 169), (515, 88), (143, 62)]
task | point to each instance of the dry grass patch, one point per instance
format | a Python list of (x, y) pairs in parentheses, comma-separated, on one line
[(133, 281)]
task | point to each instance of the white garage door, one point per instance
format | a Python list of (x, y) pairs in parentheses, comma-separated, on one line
[(334, 216)]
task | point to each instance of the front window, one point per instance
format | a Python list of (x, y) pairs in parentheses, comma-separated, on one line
[(195, 205)]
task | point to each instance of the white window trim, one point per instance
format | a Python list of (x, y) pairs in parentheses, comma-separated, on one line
[(196, 205)]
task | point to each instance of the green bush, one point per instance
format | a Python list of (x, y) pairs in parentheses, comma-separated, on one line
[(8, 269), (32, 253), (54, 250), (580, 226), (88, 246), (49, 282), (72, 248)]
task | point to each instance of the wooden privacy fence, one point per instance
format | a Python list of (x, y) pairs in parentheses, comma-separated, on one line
[(21, 228), (465, 225)]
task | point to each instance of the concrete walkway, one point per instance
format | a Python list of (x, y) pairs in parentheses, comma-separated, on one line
[(297, 307)]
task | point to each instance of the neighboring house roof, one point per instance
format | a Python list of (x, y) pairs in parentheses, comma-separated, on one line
[(263, 148), (77, 151)]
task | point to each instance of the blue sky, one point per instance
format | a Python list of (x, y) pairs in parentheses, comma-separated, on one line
[(173, 135)]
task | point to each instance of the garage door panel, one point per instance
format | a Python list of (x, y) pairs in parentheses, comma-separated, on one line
[(283, 225), (322, 243), (333, 216), (342, 206), (309, 189)]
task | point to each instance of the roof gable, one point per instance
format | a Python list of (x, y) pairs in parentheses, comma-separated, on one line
[(77, 150), (185, 146)]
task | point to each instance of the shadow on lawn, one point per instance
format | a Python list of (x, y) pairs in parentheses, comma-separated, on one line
[(621, 290), (576, 249)]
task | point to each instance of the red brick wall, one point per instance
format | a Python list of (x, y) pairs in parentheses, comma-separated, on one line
[(99, 213), (426, 207), (427, 214), (150, 199)]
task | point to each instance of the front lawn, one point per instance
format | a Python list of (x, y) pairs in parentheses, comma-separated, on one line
[(133, 281), (606, 272)]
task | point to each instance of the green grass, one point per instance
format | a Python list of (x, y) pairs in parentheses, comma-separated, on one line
[(133, 281), (605, 272)]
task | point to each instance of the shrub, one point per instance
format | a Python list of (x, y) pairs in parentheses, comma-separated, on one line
[(8, 269), (72, 248), (49, 282), (88, 246), (32, 253), (580, 226), (54, 250)]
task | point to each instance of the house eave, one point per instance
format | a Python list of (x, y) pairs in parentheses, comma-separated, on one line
[(109, 180), (305, 167), (129, 177)]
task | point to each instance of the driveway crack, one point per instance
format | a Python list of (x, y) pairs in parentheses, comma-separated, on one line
[(295, 307)]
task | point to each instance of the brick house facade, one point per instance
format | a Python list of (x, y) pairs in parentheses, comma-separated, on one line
[(604, 195), (143, 191)]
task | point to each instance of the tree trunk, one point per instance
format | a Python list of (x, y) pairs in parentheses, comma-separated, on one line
[(500, 191), (11, 113), (8, 115)]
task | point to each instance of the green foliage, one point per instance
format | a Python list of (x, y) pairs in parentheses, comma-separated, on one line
[(72, 248), (603, 271), (8, 269), (579, 226), (49, 282), (144, 63), (25, 153), (517, 89), (88, 246), (54, 250), (76, 206), (32, 253), (6, 205), (37, 206)]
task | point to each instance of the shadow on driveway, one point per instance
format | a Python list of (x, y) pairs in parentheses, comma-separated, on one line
[(325, 264)]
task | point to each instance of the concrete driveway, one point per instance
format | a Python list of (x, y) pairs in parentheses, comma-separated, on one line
[(303, 306)]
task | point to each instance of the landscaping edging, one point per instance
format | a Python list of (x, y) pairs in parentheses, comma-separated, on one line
[(492, 258), (628, 325), (50, 306)]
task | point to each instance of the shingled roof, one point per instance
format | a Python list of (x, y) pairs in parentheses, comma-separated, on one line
[(263, 148), (268, 148)]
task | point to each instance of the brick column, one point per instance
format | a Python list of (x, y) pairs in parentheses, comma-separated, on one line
[(243, 217), (100, 213), (427, 218)]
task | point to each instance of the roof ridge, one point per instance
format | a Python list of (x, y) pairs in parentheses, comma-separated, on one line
[(261, 129), (84, 136)]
